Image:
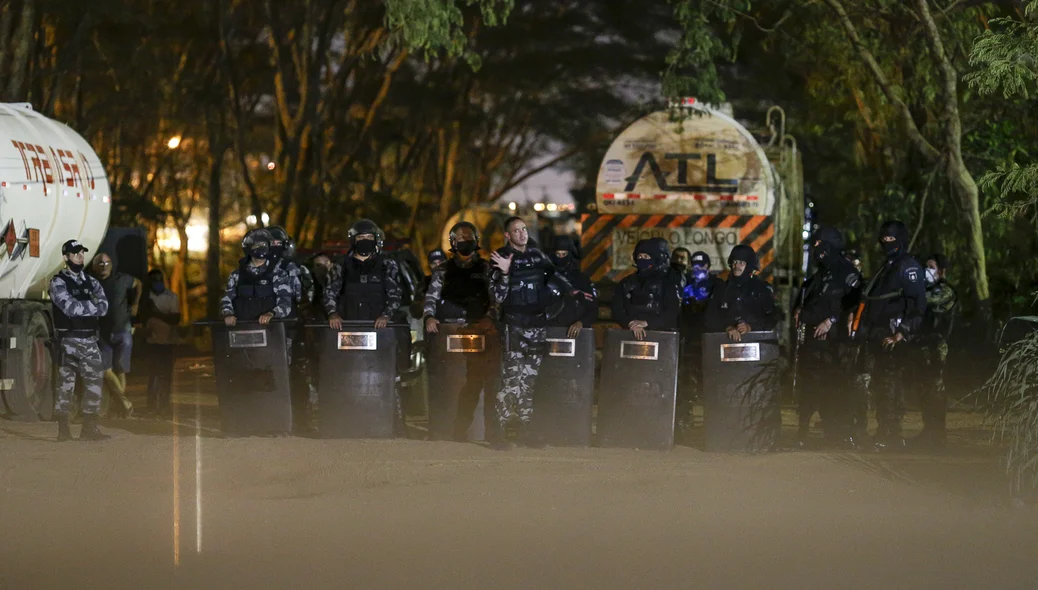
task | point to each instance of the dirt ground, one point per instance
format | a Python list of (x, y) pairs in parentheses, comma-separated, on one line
[(303, 513)]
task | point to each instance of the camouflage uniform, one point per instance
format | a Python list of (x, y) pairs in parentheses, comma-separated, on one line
[(299, 361), (79, 351), (366, 273), (937, 326), (523, 294), (282, 291)]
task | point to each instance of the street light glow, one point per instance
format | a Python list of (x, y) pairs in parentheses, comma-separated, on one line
[(174, 142)]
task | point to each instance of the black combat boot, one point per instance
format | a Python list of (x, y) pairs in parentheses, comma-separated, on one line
[(64, 433), (90, 430), (530, 438)]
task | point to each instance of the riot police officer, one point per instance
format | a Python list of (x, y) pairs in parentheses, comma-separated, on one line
[(744, 303), (258, 290), (895, 304), (522, 285), (78, 302), (459, 292), (827, 300), (573, 313), (364, 285), (941, 303), (649, 299)]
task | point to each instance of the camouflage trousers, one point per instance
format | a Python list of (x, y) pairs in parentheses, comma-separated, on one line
[(522, 349), (79, 356)]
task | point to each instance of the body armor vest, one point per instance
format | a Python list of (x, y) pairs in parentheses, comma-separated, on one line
[(254, 295), (363, 295), (79, 292), (465, 295)]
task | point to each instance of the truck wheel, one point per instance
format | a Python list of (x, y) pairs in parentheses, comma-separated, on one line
[(32, 396)]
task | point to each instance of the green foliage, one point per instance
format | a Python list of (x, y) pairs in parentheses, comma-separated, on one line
[(709, 33), (1007, 60), (1013, 399), (432, 26)]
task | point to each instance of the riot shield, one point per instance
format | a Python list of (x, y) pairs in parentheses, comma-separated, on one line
[(638, 390), (463, 366), (565, 389), (356, 381), (251, 365), (741, 397)]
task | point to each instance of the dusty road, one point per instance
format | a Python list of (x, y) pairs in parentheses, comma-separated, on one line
[(300, 513)]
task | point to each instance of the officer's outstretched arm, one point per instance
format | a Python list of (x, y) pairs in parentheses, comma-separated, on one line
[(432, 296), (284, 292)]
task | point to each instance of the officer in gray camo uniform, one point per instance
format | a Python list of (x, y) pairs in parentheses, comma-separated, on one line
[(79, 302), (258, 290), (522, 283)]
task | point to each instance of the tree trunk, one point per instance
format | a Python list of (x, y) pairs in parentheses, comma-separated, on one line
[(23, 41), (213, 280), (179, 281)]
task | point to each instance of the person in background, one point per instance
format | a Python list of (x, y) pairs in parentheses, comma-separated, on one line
[(160, 316), (574, 314), (124, 294)]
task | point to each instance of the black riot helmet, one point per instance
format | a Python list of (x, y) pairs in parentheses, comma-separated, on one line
[(899, 232), (257, 243), (657, 249), (286, 248), (456, 229), (366, 226), (746, 254)]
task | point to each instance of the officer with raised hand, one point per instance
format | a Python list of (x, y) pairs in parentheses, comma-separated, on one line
[(522, 284), (744, 303), (257, 290), (78, 302), (573, 313), (649, 299), (895, 306), (459, 292)]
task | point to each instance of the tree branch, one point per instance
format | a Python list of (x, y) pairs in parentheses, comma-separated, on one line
[(916, 137)]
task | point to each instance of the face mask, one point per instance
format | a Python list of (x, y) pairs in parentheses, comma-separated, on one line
[(365, 247), (562, 263), (680, 266), (261, 252), (320, 274), (820, 253), (643, 264), (890, 248), (158, 287), (931, 276), (465, 248), (699, 274), (76, 268)]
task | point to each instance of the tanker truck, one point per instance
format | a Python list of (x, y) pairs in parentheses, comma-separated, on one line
[(53, 188), (697, 177)]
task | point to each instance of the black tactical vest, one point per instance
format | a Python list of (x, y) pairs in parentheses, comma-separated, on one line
[(363, 295), (79, 292), (465, 295), (254, 295), (528, 291), (646, 298)]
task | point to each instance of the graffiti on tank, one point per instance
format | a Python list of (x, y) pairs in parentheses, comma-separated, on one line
[(67, 167)]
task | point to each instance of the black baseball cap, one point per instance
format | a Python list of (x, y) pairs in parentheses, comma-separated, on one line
[(73, 246)]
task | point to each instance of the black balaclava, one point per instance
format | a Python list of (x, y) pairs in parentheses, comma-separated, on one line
[(658, 252), (567, 244), (831, 247), (899, 232), (746, 254)]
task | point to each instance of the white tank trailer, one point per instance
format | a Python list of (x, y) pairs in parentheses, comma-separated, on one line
[(53, 188)]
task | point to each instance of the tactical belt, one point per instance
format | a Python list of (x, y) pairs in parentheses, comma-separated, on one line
[(77, 333)]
